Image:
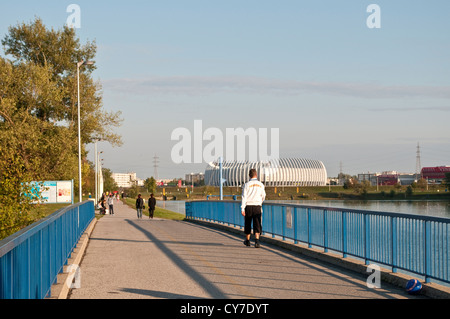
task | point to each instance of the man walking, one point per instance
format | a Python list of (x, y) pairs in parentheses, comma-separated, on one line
[(253, 196), (139, 206), (151, 206)]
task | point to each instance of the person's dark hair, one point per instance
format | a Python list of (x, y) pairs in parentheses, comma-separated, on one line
[(151, 195), (253, 173), (139, 195)]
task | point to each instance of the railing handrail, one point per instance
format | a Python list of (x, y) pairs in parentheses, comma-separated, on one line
[(414, 243), (11, 242), (349, 210), (31, 259)]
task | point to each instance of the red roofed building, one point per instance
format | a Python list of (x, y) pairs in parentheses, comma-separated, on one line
[(435, 173), (388, 179)]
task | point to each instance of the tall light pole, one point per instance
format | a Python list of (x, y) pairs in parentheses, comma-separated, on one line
[(96, 168), (79, 64), (97, 174)]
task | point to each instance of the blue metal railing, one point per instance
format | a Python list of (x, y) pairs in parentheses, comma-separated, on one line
[(31, 259), (417, 244)]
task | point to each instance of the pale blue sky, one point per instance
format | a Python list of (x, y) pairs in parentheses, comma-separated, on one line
[(337, 90)]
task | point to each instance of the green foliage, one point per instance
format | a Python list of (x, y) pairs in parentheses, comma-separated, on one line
[(409, 191), (422, 184), (109, 185), (39, 114), (56, 53), (15, 205), (133, 191), (150, 185)]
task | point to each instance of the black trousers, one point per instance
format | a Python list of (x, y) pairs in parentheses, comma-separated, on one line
[(253, 215)]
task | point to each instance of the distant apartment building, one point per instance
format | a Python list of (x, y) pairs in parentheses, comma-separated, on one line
[(126, 180)]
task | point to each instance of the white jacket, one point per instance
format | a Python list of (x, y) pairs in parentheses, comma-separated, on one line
[(253, 194)]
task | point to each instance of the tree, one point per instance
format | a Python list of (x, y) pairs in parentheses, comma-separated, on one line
[(38, 100), (409, 191), (109, 184), (422, 183), (39, 114), (150, 185), (57, 52)]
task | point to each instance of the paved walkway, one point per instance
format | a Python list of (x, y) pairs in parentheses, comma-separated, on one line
[(132, 258)]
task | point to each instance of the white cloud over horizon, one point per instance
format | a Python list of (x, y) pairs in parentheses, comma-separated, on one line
[(197, 85)]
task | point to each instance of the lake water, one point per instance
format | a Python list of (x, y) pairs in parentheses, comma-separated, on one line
[(423, 208)]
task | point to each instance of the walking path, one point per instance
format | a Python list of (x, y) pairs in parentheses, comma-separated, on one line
[(130, 258)]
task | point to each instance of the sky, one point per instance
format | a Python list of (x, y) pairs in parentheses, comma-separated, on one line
[(356, 98)]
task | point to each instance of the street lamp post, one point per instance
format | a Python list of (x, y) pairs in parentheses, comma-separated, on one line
[(97, 174), (96, 167), (79, 64)]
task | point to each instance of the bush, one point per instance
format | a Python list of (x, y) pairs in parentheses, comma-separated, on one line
[(409, 191)]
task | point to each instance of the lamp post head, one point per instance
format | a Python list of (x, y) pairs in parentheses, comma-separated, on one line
[(82, 63)]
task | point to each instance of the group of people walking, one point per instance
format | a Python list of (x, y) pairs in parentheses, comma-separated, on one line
[(140, 205), (108, 201)]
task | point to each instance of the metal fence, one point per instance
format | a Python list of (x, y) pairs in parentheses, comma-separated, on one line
[(417, 244), (31, 259)]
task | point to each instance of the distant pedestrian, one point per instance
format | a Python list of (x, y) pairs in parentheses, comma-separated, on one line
[(139, 205), (253, 196), (151, 206), (111, 204)]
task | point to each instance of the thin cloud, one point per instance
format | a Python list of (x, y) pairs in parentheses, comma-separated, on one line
[(412, 109), (193, 85)]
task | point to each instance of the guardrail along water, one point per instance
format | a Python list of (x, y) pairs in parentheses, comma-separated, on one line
[(413, 243)]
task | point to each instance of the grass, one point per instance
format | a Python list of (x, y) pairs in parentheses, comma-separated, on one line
[(159, 212), (49, 209)]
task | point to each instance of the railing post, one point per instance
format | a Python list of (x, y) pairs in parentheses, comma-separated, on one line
[(366, 239), (344, 234), (283, 222), (394, 244), (295, 226), (325, 230), (309, 228), (272, 222), (427, 244)]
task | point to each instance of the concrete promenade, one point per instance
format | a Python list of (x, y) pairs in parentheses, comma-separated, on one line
[(130, 258)]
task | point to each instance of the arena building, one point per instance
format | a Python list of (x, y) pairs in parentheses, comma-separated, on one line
[(282, 172)]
